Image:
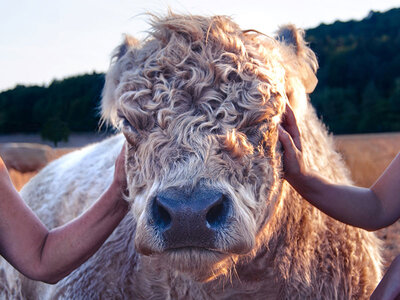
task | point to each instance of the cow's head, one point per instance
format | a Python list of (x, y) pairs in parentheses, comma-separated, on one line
[(199, 102)]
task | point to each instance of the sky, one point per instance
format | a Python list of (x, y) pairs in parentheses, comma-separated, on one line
[(43, 40)]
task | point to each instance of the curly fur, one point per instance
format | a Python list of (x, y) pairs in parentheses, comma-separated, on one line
[(199, 102)]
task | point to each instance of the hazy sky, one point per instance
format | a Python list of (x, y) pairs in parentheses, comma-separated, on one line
[(46, 39)]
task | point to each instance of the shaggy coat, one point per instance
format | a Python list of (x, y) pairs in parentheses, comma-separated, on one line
[(199, 102)]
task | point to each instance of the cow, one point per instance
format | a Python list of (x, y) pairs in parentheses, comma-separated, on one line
[(198, 103)]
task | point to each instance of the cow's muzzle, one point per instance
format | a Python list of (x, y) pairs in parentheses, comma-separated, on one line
[(190, 218)]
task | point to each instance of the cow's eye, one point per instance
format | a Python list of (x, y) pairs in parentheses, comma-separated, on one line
[(255, 135), (126, 126), (127, 129)]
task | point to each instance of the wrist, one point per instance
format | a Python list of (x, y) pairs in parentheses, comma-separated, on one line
[(300, 180), (298, 174), (115, 194)]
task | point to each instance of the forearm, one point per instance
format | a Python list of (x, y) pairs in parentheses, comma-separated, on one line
[(21, 232), (49, 256), (352, 205), (69, 246)]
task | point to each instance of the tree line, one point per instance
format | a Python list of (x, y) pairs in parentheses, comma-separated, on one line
[(358, 89), (359, 76), (65, 106)]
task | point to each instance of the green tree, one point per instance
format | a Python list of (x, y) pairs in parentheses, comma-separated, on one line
[(363, 56), (55, 130), (336, 108), (374, 108)]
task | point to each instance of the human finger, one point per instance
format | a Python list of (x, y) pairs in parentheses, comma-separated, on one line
[(286, 141), (290, 124)]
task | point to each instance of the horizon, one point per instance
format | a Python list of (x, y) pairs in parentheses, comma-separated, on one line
[(72, 38)]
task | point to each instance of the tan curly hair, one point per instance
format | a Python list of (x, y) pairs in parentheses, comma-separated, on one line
[(199, 102)]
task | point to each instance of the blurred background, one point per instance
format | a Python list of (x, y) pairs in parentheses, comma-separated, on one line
[(53, 56)]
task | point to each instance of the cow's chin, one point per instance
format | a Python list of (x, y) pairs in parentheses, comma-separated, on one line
[(199, 263)]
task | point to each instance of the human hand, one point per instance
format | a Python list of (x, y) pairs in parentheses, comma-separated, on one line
[(119, 172), (289, 136)]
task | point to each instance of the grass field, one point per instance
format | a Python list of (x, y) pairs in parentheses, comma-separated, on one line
[(366, 155), (19, 179)]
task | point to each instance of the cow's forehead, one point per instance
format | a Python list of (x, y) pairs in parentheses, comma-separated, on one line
[(240, 106), (205, 66), (199, 92)]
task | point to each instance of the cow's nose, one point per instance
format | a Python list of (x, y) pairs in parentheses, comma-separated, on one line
[(190, 219)]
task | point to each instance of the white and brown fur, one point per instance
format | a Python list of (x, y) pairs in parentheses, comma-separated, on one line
[(199, 101)]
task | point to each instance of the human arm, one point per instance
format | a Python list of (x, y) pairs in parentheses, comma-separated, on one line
[(369, 208), (389, 287), (51, 255)]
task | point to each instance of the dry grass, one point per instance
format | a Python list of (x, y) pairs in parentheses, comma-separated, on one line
[(20, 179), (367, 157)]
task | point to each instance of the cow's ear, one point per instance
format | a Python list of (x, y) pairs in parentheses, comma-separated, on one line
[(306, 64), (121, 61), (300, 65)]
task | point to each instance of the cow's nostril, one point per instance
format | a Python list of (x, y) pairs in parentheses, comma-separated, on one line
[(218, 213), (186, 218), (161, 216)]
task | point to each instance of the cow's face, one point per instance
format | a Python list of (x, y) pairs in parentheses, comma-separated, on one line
[(199, 105)]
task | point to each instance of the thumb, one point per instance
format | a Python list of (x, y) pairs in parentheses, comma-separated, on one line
[(119, 171)]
